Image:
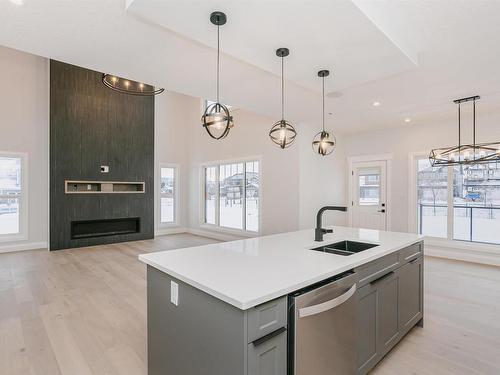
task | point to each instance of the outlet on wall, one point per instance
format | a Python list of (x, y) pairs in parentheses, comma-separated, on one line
[(174, 293), (104, 168)]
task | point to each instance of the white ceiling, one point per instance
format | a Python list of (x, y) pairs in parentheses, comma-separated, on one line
[(413, 57), (321, 34)]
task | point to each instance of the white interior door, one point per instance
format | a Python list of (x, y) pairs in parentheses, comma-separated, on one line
[(369, 194)]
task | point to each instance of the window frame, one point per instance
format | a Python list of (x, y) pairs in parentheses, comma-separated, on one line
[(412, 208), (176, 195), (23, 199), (217, 227)]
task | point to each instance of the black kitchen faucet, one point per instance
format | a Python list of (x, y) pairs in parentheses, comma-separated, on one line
[(319, 231)]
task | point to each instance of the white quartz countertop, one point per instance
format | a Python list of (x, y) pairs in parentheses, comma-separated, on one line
[(246, 273)]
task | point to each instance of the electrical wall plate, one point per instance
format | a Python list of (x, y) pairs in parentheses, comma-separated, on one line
[(174, 293), (104, 169)]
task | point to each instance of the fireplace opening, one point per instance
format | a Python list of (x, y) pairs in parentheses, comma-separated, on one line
[(105, 227)]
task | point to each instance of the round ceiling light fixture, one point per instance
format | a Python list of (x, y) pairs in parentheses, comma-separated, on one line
[(127, 86), (216, 119), (323, 142), (282, 133)]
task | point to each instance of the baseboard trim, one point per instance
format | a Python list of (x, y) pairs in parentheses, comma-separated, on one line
[(23, 247), (173, 230), (214, 235), (482, 253)]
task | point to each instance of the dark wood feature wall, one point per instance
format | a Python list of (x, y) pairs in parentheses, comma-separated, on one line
[(91, 126)]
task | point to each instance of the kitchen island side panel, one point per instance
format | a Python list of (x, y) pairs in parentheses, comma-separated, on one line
[(202, 335)]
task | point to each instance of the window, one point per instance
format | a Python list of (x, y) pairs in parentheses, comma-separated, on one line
[(11, 195), (168, 194), (432, 199), (231, 195), (369, 186), (476, 202), (458, 202)]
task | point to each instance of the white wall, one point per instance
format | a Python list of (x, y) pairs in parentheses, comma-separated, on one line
[(415, 138), (322, 180), (173, 113), (24, 110), (279, 168)]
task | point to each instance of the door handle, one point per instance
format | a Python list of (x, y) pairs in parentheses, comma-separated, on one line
[(328, 305), (376, 281), (382, 210), (268, 337)]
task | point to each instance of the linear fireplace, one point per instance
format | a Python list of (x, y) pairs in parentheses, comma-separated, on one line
[(105, 227)]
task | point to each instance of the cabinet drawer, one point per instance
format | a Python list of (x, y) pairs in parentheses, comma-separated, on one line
[(411, 252), (268, 357), (266, 318), (377, 268)]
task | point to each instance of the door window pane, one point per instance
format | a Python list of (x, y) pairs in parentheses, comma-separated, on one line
[(476, 199), (252, 196), (10, 194), (168, 194), (432, 199), (369, 186), (210, 194), (232, 182)]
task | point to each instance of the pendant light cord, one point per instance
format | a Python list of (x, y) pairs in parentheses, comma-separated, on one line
[(474, 126), (459, 132), (218, 58), (282, 91), (323, 104)]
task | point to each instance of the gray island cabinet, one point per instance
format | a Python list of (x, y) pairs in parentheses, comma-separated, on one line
[(197, 331), (390, 303), (203, 335)]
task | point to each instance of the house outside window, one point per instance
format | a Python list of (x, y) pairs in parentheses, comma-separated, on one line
[(13, 198), (232, 195), (168, 194), (460, 202)]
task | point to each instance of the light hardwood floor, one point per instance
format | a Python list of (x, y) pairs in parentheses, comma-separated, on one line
[(83, 311)]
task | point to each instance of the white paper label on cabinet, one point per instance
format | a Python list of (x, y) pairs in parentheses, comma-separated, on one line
[(174, 293)]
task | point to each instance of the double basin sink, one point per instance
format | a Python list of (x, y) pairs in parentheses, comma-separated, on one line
[(345, 247)]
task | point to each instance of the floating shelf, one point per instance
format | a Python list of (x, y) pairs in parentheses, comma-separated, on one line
[(103, 187)]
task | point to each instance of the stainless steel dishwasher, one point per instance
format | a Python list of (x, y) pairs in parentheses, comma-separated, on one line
[(322, 328)]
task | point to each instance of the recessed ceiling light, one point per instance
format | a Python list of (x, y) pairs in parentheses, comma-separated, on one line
[(376, 104), (17, 2), (407, 119)]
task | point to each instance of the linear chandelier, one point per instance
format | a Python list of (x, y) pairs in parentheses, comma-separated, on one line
[(126, 86), (474, 153)]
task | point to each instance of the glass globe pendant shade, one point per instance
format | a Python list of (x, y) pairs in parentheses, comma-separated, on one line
[(324, 143), (283, 133), (217, 120)]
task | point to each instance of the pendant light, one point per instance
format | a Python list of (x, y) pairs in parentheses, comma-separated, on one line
[(469, 153), (216, 119), (126, 86), (282, 133), (324, 143)]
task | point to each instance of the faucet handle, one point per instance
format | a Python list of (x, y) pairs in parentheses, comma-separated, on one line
[(327, 230)]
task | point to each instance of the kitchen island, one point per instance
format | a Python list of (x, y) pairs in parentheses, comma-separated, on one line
[(224, 309)]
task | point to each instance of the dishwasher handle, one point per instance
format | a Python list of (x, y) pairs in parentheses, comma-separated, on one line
[(328, 305)]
